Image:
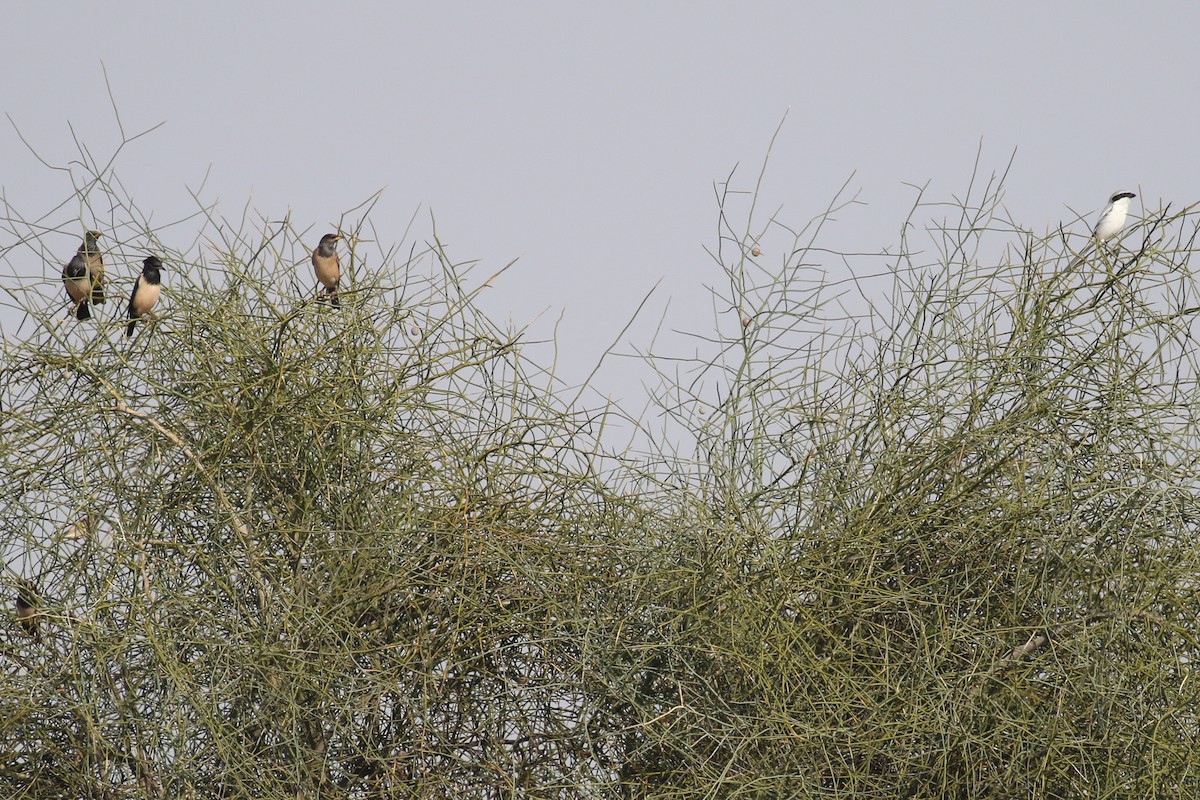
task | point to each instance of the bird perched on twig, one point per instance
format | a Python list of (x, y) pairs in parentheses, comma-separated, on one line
[(1112, 218), (28, 609), (84, 275), (82, 528), (1108, 224), (325, 262), (146, 290)]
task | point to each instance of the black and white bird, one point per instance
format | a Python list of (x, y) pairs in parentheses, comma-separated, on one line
[(146, 290), (1112, 218)]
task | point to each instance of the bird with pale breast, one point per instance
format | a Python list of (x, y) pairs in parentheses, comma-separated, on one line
[(1108, 224), (83, 276), (1112, 218), (328, 269), (82, 528), (146, 291)]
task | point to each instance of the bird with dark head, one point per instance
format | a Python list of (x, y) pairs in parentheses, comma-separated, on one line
[(83, 276), (329, 271), (146, 290), (29, 609)]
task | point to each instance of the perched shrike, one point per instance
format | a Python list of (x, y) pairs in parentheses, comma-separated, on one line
[(1112, 218)]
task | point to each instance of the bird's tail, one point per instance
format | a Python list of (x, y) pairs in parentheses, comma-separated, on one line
[(82, 312), (129, 328), (1083, 254)]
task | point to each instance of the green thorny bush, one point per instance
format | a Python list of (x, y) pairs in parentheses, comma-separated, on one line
[(927, 533)]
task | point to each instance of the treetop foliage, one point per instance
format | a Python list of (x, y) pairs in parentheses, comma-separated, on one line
[(927, 535)]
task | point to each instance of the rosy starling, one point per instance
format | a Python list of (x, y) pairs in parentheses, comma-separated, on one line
[(325, 262), (84, 276), (146, 290), (27, 609)]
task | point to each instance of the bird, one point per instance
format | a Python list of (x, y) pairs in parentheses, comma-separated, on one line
[(83, 276), (1112, 218), (146, 290), (82, 528), (27, 609), (325, 262)]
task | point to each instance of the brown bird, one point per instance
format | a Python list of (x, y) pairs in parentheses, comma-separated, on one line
[(82, 528), (84, 276), (329, 271), (27, 609), (146, 290)]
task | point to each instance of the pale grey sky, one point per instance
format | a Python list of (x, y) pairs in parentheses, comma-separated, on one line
[(585, 139)]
